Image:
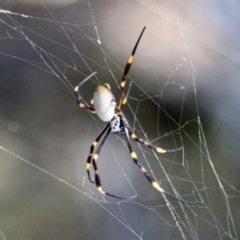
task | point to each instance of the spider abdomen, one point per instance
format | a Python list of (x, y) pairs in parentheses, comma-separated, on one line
[(104, 103)]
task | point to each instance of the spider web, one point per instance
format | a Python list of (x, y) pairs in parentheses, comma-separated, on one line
[(179, 72)]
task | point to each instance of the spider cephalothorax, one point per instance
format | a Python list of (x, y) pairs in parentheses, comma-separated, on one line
[(116, 125), (105, 106)]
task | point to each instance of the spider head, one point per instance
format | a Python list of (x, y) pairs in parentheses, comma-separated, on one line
[(107, 86)]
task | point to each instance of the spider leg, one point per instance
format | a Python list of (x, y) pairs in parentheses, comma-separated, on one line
[(99, 186), (124, 100), (147, 144), (126, 70), (94, 144), (78, 95), (147, 175), (93, 158)]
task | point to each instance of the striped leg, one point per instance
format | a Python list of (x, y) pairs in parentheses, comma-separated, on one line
[(99, 186), (78, 95), (124, 99), (126, 70), (147, 175), (94, 144), (93, 158), (147, 144)]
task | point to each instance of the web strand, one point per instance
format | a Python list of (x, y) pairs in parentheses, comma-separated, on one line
[(46, 136)]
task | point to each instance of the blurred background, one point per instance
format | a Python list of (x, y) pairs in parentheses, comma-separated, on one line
[(185, 93)]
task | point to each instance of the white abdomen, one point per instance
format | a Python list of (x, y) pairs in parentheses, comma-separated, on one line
[(104, 102)]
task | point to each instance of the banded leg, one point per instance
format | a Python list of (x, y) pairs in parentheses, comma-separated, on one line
[(78, 95), (94, 144), (93, 158), (124, 99), (147, 144), (94, 162), (126, 70), (147, 175), (99, 186)]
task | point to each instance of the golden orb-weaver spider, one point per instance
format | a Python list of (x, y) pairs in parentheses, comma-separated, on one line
[(105, 106)]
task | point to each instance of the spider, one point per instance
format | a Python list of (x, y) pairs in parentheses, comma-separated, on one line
[(105, 106)]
